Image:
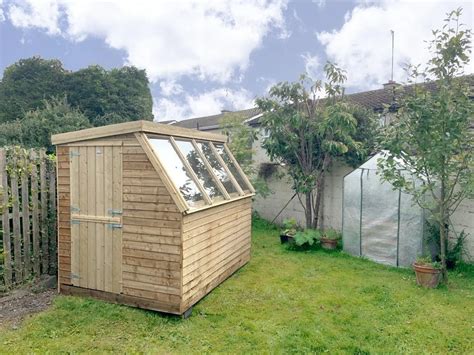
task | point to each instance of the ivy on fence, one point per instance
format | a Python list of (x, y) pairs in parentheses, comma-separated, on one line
[(27, 215)]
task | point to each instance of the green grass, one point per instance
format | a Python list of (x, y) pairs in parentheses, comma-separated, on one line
[(282, 301)]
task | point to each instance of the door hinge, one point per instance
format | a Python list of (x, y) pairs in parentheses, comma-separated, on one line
[(74, 154), (114, 213), (75, 209), (114, 225), (75, 276), (75, 221)]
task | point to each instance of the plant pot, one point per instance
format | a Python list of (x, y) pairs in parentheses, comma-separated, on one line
[(427, 276), (328, 244)]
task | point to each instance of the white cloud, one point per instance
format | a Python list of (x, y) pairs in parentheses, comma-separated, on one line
[(206, 39), (170, 87), (312, 65), (362, 45), (320, 3), (2, 16), (208, 103)]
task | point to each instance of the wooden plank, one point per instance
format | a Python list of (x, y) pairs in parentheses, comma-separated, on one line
[(91, 212), (168, 290), (52, 211), (226, 168), (191, 172), (142, 254), (155, 247), (108, 203), (93, 218), (239, 169), (35, 214), (83, 209), (191, 217), (100, 212), (132, 127), (4, 208), (154, 231), (15, 198), (151, 280), (152, 271), (25, 216), (155, 239), (148, 190), (130, 300), (152, 295), (117, 232), (128, 181), (148, 222), (177, 197), (44, 214), (157, 265), (140, 174), (164, 216)]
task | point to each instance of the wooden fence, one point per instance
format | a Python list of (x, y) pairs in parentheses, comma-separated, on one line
[(27, 215)]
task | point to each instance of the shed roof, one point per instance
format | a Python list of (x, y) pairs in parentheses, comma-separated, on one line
[(134, 127)]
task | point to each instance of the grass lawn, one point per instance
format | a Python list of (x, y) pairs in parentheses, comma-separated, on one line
[(282, 301)]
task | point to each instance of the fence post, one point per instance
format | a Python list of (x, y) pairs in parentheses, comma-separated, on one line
[(25, 210), (44, 213), (17, 257), (7, 256), (35, 219), (52, 211)]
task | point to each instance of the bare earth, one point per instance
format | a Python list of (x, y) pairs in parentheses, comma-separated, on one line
[(18, 304)]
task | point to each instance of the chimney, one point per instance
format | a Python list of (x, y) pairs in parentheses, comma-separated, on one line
[(391, 84)]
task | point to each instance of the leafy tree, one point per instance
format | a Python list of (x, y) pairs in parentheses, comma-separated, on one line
[(27, 83), (105, 97), (308, 133), (241, 139), (430, 142), (36, 128)]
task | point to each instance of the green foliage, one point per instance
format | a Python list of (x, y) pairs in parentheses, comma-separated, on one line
[(25, 85), (36, 128), (308, 133), (307, 237), (427, 261), (430, 142), (241, 139), (114, 96), (331, 234), (290, 227)]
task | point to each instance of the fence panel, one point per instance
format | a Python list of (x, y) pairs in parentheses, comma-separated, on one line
[(27, 215)]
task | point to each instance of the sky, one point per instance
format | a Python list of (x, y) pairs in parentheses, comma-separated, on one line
[(202, 57)]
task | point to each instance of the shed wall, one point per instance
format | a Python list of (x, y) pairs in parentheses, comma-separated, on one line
[(64, 216), (216, 242)]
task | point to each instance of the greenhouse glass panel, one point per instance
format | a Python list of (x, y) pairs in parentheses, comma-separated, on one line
[(351, 213), (230, 164), (176, 171), (196, 163), (218, 169)]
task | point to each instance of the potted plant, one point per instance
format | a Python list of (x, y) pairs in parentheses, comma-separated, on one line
[(290, 227), (329, 239), (428, 272), (305, 239)]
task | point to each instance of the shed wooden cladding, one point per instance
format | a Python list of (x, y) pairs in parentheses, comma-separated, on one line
[(149, 215)]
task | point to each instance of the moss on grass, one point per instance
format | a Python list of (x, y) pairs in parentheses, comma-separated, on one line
[(282, 301)]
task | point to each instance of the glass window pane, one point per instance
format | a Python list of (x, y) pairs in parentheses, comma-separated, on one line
[(176, 171), (196, 163), (217, 167), (225, 157)]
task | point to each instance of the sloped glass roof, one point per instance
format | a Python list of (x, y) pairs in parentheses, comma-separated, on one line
[(203, 172)]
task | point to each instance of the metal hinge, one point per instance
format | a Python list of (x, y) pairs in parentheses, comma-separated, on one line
[(114, 213), (114, 225), (75, 221), (75, 276), (74, 154), (75, 209)]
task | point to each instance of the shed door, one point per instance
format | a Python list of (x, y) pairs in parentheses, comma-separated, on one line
[(96, 217)]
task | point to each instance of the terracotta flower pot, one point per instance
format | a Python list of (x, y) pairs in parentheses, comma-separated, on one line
[(328, 244), (427, 276)]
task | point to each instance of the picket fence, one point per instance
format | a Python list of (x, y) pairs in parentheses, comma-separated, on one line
[(27, 215)]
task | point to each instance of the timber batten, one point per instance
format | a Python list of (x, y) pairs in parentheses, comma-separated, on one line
[(134, 231)]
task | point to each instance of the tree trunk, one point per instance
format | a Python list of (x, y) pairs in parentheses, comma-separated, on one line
[(317, 205), (308, 210), (442, 233)]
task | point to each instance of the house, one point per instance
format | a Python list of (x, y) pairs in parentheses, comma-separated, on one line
[(280, 204)]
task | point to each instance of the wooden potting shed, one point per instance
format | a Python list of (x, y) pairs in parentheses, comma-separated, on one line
[(149, 215)]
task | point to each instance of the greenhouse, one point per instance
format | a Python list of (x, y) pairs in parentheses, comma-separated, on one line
[(380, 223)]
